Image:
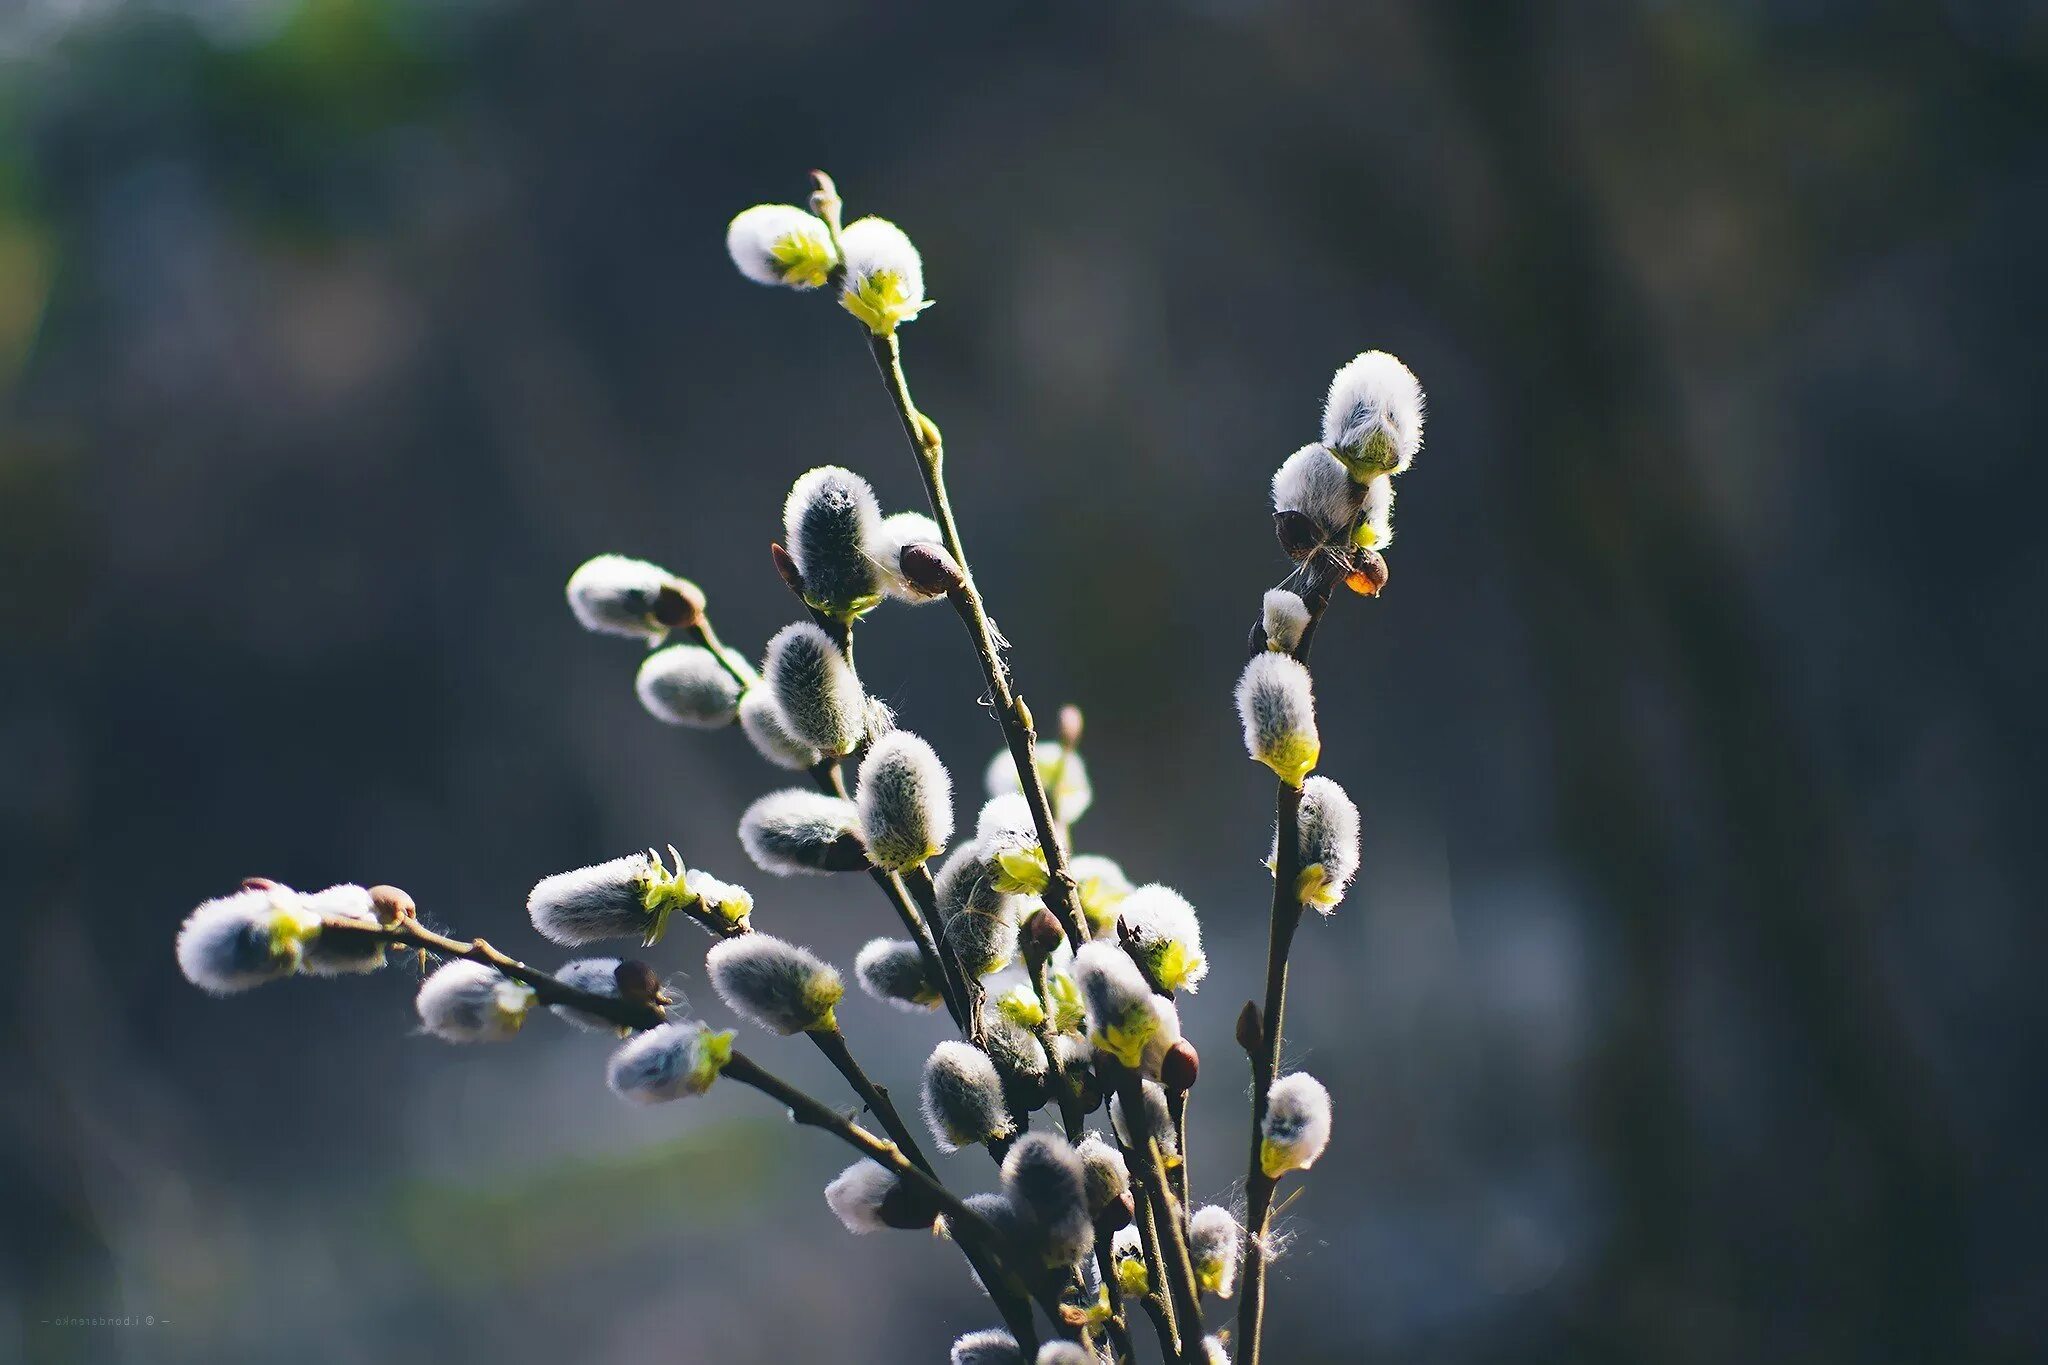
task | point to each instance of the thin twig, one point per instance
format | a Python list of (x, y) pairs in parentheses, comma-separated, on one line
[(833, 1044), (1170, 1231)]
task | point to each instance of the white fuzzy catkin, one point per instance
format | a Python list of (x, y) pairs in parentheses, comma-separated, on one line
[(780, 244), (1285, 620), (1064, 1353), (722, 901), (1315, 483), (1166, 936), (1064, 774), (592, 904), (1276, 702), (342, 954), (892, 970), (1158, 1119), (615, 595), (1103, 886), (1044, 1179), (1376, 528), (1214, 1243), (687, 685), (1373, 415), (884, 284), (1327, 843), (467, 1002), (770, 735), (979, 921), (816, 691), (592, 976), (1007, 836), (905, 798), (1214, 1352), (963, 1097), (1297, 1126), (1127, 1260), (858, 1194), (1123, 1019), (831, 522), (242, 940), (781, 987), (668, 1062), (797, 833), (891, 536), (991, 1347), (1106, 1176)]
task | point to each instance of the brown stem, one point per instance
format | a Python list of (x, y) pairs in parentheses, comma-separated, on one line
[(875, 1097), (1170, 1230)]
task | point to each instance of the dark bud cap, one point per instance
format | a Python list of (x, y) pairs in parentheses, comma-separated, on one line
[(1042, 934), (258, 884), (1251, 1032), (908, 1207), (785, 566), (1367, 573), (1298, 534), (1120, 1213), (847, 853), (679, 605), (929, 569), (1180, 1067), (637, 981), (391, 904)]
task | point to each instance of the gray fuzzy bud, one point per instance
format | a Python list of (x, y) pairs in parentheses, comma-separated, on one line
[(892, 970), (992, 1347), (795, 832), (668, 1062), (592, 976), (1285, 620), (1214, 1352), (979, 922), (892, 536), (1328, 844), (614, 595), (1277, 704), (1045, 1181), (770, 734), (1020, 1060), (1105, 1176), (1297, 1126), (867, 1197), (830, 522), (687, 685), (781, 987), (592, 904), (1373, 415), (467, 1002), (235, 942), (815, 689), (1123, 1019), (1065, 1353), (963, 1097), (905, 798), (1165, 936), (1315, 483), (1158, 1120), (343, 954), (1214, 1243)]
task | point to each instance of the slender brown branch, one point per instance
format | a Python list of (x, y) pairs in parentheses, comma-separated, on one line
[(733, 666), (1019, 732), (1170, 1231), (918, 881), (875, 1097)]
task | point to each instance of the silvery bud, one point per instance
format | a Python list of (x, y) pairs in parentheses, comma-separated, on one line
[(1106, 1176), (1313, 484), (1127, 1259), (992, 1347), (1044, 1179), (687, 685), (781, 987), (963, 1097), (234, 942), (1102, 885), (614, 595), (1065, 1353), (630, 897), (668, 1062), (884, 285), (1158, 1121), (1007, 835), (341, 953), (1372, 419), (1020, 1060), (770, 735), (895, 534), (1214, 1242), (1060, 768), (1124, 1017), (892, 970), (831, 523), (979, 922), (795, 832), (1297, 1126), (1277, 704), (1165, 936), (816, 691), (1214, 1352), (1285, 621), (1327, 844), (867, 1197), (781, 244), (467, 1002), (905, 798), (592, 976)]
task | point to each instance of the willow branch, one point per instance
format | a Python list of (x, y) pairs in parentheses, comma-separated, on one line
[(875, 1097), (1170, 1231)]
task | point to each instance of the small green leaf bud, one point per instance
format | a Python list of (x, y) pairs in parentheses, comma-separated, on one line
[(780, 244), (884, 285)]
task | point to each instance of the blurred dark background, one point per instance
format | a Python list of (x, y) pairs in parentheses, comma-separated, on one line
[(1689, 1008)]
